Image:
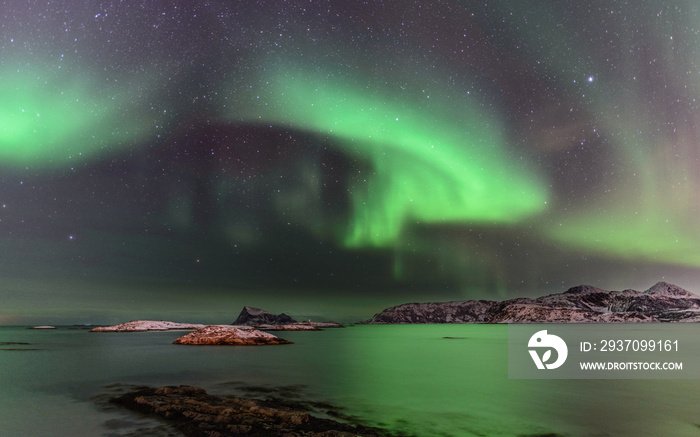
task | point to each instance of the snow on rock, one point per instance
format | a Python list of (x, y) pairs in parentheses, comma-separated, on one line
[(662, 302), (147, 325), (229, 335), (436, 312), (669, 290), (321, 325), (288, 327), (301, 326)]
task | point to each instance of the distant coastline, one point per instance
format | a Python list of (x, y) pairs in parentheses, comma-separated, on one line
[(663, 302), (248, 319)]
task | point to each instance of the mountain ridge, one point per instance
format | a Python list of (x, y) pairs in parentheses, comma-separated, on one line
[(663, 302), (256, 316)]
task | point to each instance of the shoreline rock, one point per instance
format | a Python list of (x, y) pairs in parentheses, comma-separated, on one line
[(229, 335), (322, 325), (300, 326), (289, 327), (196, 413), (148, 325), (662, 302)]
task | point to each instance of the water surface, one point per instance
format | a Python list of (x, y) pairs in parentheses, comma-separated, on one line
[(407, 378)]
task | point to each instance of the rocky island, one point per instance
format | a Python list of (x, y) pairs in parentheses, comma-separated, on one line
[(663, 302), (255, 316), (264, 320), (230, 335), (147, 325)]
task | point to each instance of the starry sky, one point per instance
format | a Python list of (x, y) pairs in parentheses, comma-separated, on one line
[(178, 160)]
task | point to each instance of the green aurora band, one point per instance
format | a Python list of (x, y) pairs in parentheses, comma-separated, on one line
[(434, 160), (652, 214), (52, 117), (632, 235), (647, 208)]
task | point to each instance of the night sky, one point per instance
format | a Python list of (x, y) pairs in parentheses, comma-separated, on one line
[(178, 160)]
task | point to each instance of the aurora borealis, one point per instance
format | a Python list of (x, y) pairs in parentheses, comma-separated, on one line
[(332, 158), (430, 165), (52, 118)]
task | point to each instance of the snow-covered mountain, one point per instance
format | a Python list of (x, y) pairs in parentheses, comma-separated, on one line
[(663, 302)]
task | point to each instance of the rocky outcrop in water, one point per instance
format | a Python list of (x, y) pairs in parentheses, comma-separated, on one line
[(582, 304), (300, 326), (289, 327), (147, 325), (196, 413), (16, 346), (230, 335), (256, 316)]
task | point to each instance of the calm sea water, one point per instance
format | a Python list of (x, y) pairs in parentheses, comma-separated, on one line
[(404, 378)]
